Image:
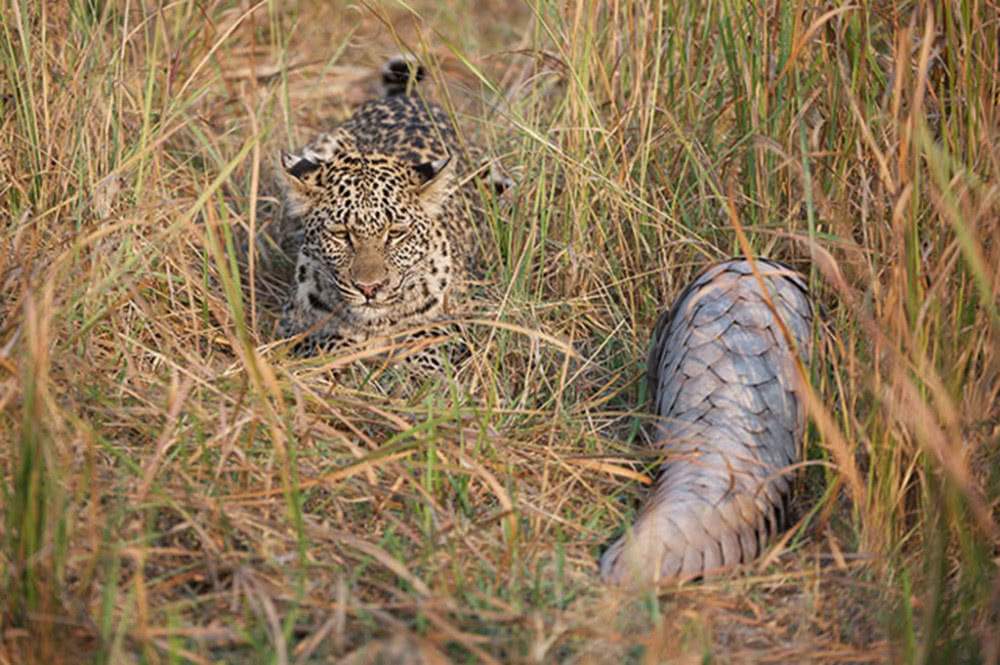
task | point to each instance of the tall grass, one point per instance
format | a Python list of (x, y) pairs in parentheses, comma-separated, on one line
[(177, 488)]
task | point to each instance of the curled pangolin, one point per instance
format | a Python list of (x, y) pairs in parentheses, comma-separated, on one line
[(726, 389)]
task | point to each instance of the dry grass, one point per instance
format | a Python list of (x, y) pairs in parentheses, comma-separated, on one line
[(177, 488)]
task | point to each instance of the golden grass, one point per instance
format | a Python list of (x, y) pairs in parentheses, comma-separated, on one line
[(177, 488)]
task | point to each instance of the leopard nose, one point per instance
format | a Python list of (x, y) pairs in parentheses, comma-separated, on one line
[(368, 290)]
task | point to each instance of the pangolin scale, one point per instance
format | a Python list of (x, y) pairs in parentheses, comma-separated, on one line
[(731, 420)]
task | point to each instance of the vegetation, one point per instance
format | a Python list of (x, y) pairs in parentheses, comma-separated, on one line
[(176, 487)]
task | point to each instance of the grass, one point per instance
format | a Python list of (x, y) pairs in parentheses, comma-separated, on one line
[(177, 489)]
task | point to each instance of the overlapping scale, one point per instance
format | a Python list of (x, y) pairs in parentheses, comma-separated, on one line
[(731, 421)]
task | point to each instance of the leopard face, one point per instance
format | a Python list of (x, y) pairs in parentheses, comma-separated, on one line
[(377, 253)]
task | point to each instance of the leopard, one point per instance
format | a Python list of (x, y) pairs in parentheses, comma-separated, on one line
[(386, 227)]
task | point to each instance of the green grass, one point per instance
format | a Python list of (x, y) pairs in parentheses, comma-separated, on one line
[(177, 489)]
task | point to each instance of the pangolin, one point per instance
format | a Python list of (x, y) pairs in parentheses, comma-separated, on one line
[(730, 423)]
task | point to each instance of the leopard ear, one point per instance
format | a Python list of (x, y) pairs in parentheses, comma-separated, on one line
[(436, 183), (297, 166), (299, 175), (303, 167), (430, 170), (302, 171)]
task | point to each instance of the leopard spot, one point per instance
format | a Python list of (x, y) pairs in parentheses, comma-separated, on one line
[(317, 303)]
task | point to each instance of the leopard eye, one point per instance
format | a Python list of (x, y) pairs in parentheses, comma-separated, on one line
[(340, 233), (398, 232)]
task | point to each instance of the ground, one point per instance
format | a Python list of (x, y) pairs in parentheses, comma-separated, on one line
[(178, 487)]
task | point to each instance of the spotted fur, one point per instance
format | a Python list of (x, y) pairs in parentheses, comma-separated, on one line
[(385, 224)]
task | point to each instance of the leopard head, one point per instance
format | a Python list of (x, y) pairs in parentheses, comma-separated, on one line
[(373, 227)]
